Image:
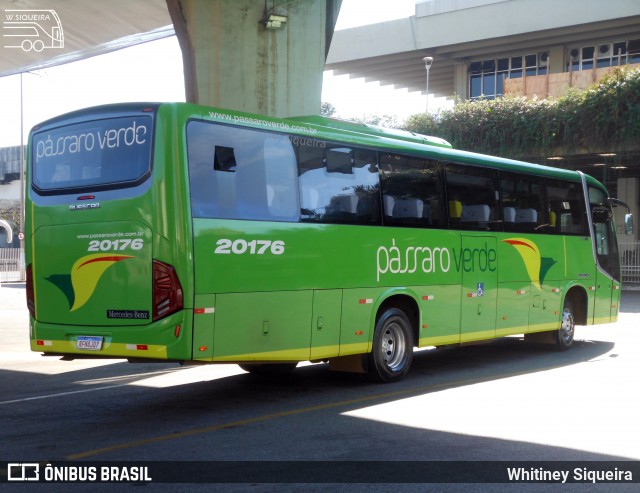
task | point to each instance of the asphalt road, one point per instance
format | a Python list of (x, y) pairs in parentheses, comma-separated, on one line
[(505, 401)]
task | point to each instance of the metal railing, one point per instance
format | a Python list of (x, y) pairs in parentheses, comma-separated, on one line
[(11, 265), (630, 262)]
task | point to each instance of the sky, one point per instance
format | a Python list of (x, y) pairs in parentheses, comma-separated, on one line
[(153, 72)]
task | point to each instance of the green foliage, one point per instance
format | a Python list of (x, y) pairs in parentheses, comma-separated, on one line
[(388, 121), (605, 116), (327, 109)]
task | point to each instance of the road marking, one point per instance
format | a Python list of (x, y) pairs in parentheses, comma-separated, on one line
[(49, 396), (94, 389)]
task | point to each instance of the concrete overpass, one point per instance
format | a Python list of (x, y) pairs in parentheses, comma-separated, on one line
[(89, 28), (263, 57)]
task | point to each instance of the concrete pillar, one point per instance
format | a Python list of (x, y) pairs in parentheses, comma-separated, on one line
[(556, 60), (231, 60), (461, 80)]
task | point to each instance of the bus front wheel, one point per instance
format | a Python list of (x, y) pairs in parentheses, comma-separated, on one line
[(392, 352), (564, 335)]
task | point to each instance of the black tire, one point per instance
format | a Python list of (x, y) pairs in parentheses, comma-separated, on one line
[(392, 352), (269, 369), (565, 334)]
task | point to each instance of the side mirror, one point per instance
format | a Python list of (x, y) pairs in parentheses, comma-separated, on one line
[(628, 224), (628, 217)]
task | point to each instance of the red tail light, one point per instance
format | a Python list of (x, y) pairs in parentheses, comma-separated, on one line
[(31, 297), (167, 291)]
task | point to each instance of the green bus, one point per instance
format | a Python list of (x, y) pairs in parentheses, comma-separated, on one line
[(177, 232)]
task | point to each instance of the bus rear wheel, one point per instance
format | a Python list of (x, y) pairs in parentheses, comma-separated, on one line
[(565, 334), (392, 352)]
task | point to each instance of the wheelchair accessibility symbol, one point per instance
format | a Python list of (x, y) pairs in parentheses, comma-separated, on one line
[(480, 289)]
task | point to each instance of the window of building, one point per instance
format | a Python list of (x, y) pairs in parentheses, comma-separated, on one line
[(633, 51), (412, 191), (604, 55), (486, 77)]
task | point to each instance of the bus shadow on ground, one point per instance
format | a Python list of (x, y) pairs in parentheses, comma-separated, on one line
[(241, 411), (433, 370), (500, 358)]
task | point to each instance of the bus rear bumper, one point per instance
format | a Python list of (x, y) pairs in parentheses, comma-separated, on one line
[(167, 339)]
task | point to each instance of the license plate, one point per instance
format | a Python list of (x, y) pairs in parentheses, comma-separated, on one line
[(89, 343)]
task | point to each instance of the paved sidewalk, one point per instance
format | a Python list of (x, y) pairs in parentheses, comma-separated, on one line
[(12, 296), (630, 302)]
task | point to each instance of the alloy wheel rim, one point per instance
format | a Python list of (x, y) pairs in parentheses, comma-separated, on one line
[(568, 326), (393, 346)]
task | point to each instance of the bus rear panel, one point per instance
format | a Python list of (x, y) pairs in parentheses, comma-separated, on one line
[(101, 271)]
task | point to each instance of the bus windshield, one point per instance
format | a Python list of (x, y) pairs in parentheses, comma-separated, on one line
[(606, 246), (102, 154)]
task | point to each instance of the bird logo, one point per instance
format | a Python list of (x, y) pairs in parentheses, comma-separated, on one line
[(536, 265), (86, 272)]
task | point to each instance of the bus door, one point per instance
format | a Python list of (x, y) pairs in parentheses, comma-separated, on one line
[(607, 286), (478, 261)]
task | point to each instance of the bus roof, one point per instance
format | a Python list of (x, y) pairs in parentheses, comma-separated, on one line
[(363, 128), (332, 129)]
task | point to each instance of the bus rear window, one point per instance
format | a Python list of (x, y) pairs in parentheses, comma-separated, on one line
[(96, 155)]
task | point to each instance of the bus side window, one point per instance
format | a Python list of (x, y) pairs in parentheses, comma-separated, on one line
[(604, 232), (412, 191), (523, 204), (237, 173), (476, 189), (565, 203), (280, 178), (338, 184)]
